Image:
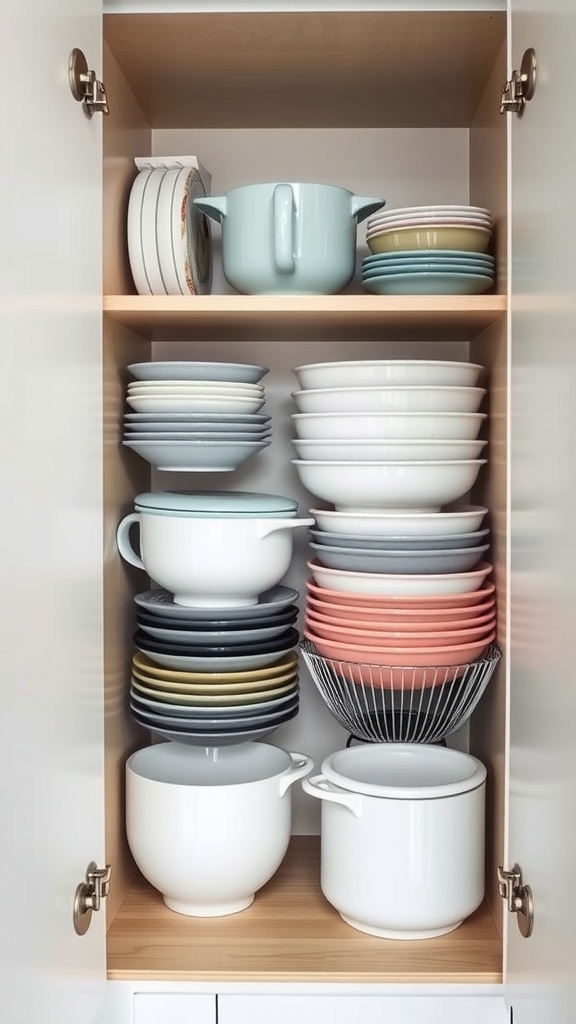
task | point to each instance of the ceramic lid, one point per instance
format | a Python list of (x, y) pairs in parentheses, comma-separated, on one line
[(404, 771), (191, 502)]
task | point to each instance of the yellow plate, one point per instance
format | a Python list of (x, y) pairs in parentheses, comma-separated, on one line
[(143, 664), (253, 684), (217, 699)]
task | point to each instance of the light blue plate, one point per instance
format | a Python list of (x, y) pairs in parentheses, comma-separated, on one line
[(428, 263), (425, 268), (175, 369), (429, 284), (190, 502), (425, 254)]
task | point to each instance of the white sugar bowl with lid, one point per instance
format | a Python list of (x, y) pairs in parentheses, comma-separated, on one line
[(402, 837), (212, 549)]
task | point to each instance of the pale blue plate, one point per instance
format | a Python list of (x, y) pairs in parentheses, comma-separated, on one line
[(425, 254), (429, 284), (425, 268)]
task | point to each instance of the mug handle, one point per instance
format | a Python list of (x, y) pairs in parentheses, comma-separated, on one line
[(123, 541), (283, 215)]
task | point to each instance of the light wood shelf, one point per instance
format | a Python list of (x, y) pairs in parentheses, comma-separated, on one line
[(329, 317), (289, 934)]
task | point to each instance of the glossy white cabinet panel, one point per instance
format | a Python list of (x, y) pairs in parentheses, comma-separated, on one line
[(51, 728), (542, 836), (174, 1008), (342, 1009)]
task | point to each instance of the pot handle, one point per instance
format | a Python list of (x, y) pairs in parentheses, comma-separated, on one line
[(266, 528), (319, 787), (301, 765), (283, 218), (123, 541)]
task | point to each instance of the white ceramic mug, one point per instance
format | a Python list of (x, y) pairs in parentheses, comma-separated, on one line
[(211, 563)]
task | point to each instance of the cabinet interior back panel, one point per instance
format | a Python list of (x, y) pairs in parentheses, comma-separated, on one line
[(406, 167)]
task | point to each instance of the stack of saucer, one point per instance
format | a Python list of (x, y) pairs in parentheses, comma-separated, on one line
[(429, 250)]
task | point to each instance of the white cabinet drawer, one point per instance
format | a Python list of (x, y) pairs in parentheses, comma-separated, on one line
[(172, 1008), (351, 1009)]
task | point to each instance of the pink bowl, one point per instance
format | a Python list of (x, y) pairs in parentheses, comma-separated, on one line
[(436, 602), (391, 619), (393, 667), (383, 626), (377, 638)]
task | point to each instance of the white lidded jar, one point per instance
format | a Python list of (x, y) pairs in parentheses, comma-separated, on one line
[(402, 837)]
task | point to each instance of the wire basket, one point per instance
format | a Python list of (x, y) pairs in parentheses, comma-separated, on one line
[(387, 704)]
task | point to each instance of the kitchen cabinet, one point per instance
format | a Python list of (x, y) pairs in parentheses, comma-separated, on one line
[(404, 102)]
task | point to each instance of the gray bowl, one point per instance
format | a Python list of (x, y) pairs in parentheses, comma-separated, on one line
[(425, 543), (403, 562)]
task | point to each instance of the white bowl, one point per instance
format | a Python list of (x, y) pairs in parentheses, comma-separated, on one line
[(400, 585), (208, 830), (459, 519), (210, 563), (386, 372), (388, 451), (416, 486), (384, 426), (389, 399)]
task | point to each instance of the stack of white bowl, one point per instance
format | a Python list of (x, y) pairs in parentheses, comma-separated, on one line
[(429, 250), (168, 237), (196, 416), (215, 662), (392, 445)]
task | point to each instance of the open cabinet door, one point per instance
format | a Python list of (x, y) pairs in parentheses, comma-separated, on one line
[(51, 788), (542, 830)]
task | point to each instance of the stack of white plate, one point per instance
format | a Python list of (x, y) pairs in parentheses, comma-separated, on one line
[(429, 250), (168, 237), (196, 416)]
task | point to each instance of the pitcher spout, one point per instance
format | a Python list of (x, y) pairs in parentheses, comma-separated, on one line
[(363, 206), (212, 206)]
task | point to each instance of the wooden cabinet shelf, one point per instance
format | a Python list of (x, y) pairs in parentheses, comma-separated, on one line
[(289, 934), (277, 317)]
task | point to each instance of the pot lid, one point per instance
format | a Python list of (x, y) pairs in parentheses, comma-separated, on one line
[(404, 771), (238, 502)]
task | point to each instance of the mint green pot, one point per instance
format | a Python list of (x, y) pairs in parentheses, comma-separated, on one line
[(287, 237)]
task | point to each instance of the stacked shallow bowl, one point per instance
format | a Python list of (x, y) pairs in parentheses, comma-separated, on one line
[(196, 416), (215, 661), (423, 250), (399, 597)]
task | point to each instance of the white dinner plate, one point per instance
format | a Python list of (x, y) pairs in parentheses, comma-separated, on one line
[(148, 232), (191, 244), (134, 238), (166, 253)]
